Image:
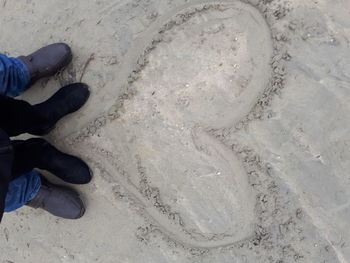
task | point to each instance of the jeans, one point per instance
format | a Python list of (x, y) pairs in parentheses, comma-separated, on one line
[(14, 79)]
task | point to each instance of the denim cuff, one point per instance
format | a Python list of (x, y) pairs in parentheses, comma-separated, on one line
[(22, 190)]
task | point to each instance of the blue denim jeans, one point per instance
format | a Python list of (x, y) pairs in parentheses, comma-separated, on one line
[(14, 79)]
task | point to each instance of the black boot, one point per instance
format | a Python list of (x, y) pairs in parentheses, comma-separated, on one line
[(65, 101), (38, 153), (58, 200), (47, 61)]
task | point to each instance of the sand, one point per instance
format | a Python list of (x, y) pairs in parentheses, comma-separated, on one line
[(216, 130)]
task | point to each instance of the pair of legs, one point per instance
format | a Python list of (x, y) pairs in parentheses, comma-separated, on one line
[(27, 186), (14, 80)]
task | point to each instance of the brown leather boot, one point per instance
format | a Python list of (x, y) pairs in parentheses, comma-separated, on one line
[(60, 201), (47, 61)]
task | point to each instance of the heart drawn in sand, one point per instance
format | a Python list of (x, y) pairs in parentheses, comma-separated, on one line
[(206, 72)]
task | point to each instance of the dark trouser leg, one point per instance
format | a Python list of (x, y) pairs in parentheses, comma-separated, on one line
[(18, 116), (38, 153), (25, 158)]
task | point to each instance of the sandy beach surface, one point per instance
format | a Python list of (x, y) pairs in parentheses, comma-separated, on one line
[(217, 130)]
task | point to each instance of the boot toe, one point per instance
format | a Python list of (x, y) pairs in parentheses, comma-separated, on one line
[(64, 54), (63, 48), (79, 92), (73, 96), (81, 173), (70, 169), (74, 207), (65, 203)]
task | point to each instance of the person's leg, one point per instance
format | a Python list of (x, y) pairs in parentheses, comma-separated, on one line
[(47, 61), (14, 80), (38, 153), (18, 116), (58, 200), (28, 187), (14, 76), (17, 74), (22, 190), (35, 191)]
